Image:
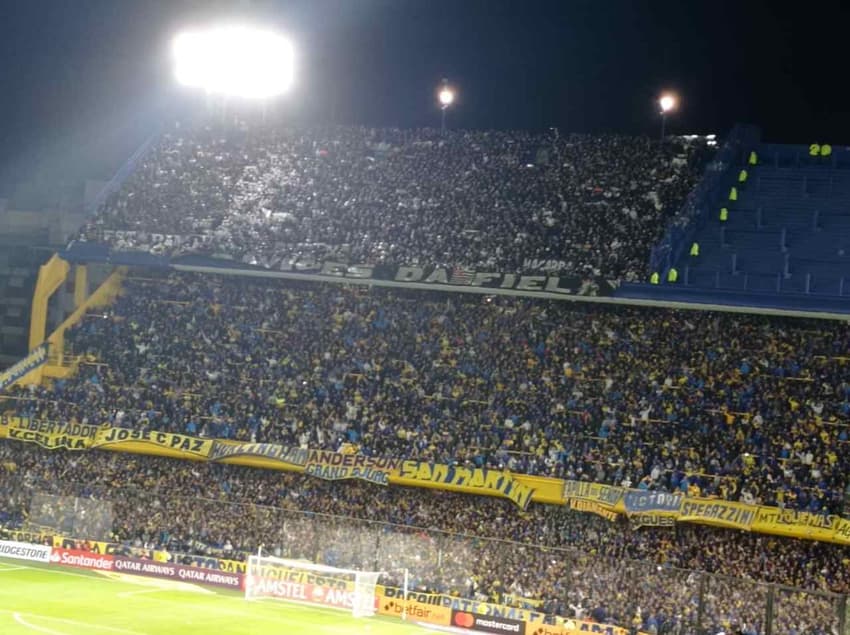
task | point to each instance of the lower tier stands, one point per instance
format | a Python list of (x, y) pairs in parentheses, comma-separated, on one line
[(746, 408), (680, 579)]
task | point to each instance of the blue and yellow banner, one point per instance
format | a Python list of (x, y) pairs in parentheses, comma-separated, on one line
[(661, 509), (464, 479), (20, 369), (319, 463), (645, 502), (642, 508), (605, 495)]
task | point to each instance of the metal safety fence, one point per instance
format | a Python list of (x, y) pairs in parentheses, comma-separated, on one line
[(561, 582)]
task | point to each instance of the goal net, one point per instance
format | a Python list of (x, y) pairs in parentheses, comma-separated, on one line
[(301, 581)]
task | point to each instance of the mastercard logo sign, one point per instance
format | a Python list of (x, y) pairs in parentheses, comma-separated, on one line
[(466, 620)]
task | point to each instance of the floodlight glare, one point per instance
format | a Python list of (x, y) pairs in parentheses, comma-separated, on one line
[(447, 97), (237, 61), (667, 103)]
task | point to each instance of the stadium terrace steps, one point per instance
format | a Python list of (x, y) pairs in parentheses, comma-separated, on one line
[(788, 232)]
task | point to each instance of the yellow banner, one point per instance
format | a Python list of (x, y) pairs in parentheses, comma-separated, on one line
[(718, 512), (606, 495), (842, 531), (142, 442), (322, 464), (94, 546), (799, 524), (37, 537), (593, 507), (641, 507), (463, 479)]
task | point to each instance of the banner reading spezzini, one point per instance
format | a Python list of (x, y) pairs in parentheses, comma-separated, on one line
[(718, 512)]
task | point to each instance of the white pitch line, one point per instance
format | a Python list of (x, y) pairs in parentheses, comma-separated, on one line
[(113, 629), (224, 599), (17, 617), (217, 609), (70, 573), (129, 594), (4, 569)]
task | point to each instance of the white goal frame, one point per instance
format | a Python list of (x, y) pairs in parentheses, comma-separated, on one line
[(365, 582)]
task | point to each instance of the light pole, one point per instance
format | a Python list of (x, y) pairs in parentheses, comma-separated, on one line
[(667, 102), (447, 98)]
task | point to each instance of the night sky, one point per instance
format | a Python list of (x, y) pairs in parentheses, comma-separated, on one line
[(83, 82)]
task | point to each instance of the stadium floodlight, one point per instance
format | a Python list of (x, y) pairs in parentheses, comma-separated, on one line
[(235, 61), (446, 96), (668, 103)]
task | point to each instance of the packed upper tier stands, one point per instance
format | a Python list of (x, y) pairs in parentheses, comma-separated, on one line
[(747, 408), (507, 201), (566, 564)]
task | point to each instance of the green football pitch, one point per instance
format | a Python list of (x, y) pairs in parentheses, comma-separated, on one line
[(53, 601)]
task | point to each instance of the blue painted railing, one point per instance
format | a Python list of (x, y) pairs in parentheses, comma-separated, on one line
[(713, 186)]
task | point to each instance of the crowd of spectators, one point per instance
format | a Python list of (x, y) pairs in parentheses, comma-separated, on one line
[(566, 564), (748, 408), (738, 407), (585, 205)]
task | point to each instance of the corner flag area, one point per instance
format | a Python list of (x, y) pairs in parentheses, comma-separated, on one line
[(51, 601)]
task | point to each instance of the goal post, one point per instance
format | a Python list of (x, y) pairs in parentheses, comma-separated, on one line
[(317, 584)]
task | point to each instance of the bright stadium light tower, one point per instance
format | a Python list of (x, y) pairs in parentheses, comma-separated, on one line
[(668, 103), (234, 61), (447, 98)]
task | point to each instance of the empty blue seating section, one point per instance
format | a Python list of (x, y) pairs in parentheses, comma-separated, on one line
[(788, 232)]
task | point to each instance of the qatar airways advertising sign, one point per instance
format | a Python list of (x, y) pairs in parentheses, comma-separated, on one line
[(179, 572), (300, 592)]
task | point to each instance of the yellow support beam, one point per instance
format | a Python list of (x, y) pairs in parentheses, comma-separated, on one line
[(51, 275), (81, 284), (105, 294)]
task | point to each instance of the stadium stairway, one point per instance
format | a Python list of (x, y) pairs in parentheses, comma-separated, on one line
[(788, 232)]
